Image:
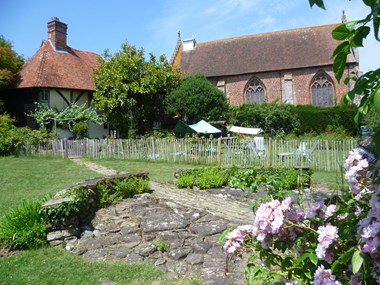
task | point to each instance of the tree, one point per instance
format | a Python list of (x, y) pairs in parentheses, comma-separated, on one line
[(128, 88), (10, 62), (67, 118), (351, 35), (197, 99)]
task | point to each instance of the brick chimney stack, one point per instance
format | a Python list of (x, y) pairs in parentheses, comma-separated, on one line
[(57, 34)]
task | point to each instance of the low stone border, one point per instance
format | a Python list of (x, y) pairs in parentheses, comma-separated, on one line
[(70, 228)]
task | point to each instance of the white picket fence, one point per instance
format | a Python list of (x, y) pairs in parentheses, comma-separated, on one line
[(318, 155)]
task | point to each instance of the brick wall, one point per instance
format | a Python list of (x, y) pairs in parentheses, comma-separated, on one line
[(298, 84)]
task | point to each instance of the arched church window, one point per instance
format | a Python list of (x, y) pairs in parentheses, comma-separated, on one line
[(322, 90), (255, 92)]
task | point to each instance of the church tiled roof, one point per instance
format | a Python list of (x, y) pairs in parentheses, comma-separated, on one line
[(69, 69), (282, 50)]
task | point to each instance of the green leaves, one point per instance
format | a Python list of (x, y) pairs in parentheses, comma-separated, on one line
[(376, 100), (357, 261), (198, 99), (128, 86), (319, 3)]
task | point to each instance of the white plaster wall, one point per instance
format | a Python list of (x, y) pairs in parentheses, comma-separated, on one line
[(57, 102)]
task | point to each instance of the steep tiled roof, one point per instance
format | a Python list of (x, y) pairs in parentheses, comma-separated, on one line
[(70, 69), (289, 49)]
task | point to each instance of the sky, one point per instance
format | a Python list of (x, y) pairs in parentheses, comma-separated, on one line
[(98, 25)]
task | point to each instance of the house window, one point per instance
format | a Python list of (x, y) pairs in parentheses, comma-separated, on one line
[(157, 125), (322, 90), (255, 92), (43, 96)]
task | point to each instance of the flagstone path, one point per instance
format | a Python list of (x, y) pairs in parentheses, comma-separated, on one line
[(215, 210)]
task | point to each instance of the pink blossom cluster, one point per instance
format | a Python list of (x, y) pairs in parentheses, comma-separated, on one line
[(363, 186), (327, 235), (323, 276), (236, 238), (369, 229), (356, 166), (319, 210), (270, 220)]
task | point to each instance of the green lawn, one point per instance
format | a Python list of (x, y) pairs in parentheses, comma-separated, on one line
[(28, 178), (57, 266), (158, 170)]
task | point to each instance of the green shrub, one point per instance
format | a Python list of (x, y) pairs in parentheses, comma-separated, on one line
[(80, 130), (107, 193), (205, 178), (78, 199), (186, 180), (24, 227), (212, 178), (267, 116), (315, 119), (15, 140), (280, 178), (131, 186)]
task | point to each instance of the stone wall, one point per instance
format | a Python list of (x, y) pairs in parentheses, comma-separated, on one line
[(70, 227), (274, 84)]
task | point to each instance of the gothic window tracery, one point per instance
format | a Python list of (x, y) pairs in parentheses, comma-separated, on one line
[(255, 92), (322, 90)]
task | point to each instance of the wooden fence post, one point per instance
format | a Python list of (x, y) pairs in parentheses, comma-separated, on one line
[(65, 148), (219, 150), (269, 156)]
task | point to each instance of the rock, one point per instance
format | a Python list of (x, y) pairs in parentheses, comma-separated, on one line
[(201, 247), (144, 196), (60, 235), (177, 243), (194, 258), (160, 261), (120, 252), (147, 249), (133, 257), (55, 242), (178, 268), (98, 233), (69, 246), (132, 237), (130, 228), (87, 234), (207, 229), (178, 253), (168, 221), (96, 254)]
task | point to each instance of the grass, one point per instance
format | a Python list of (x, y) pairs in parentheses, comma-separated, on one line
[(57, 266), (158, 170), (30, 178)]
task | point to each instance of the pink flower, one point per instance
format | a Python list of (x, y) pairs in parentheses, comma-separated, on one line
[(324, 277), (236, 238), (330, 210), (326, 236)]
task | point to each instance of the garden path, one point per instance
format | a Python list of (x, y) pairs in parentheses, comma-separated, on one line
[(214, 202), (216, 210)]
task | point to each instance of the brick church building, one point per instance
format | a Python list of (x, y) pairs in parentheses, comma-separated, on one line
[(291, 66)]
